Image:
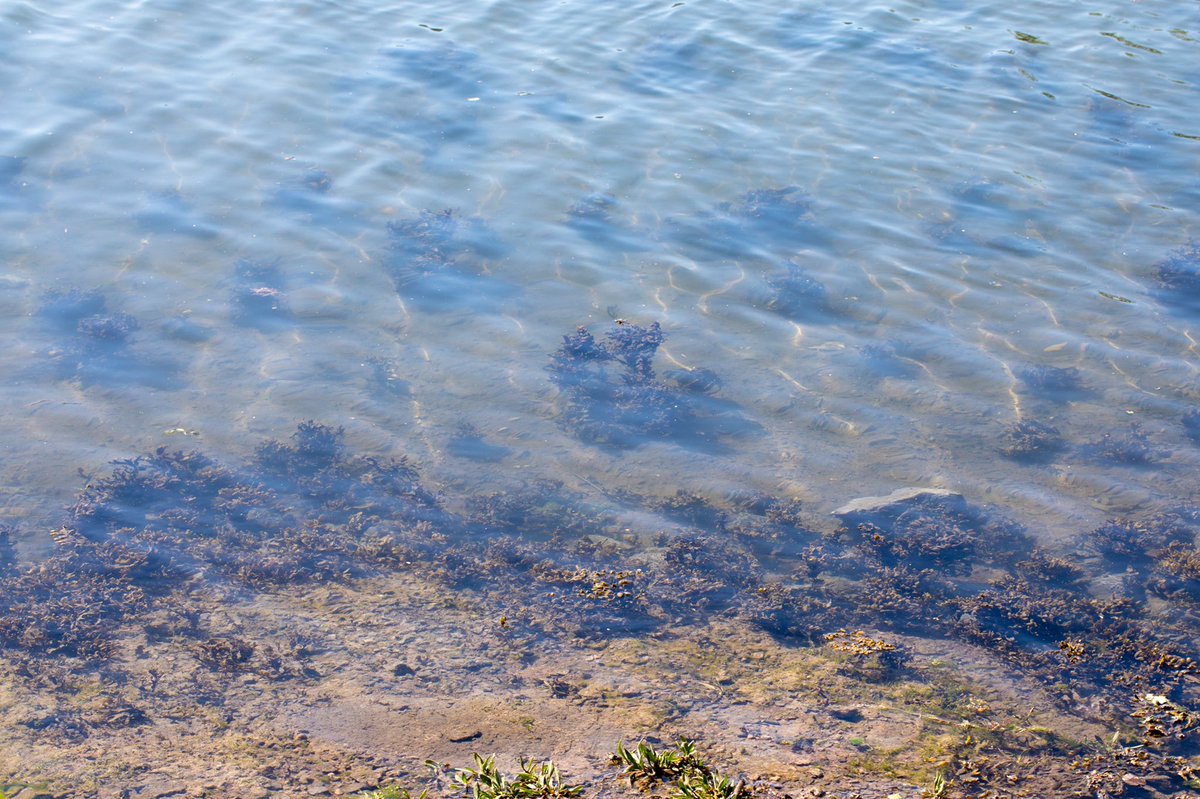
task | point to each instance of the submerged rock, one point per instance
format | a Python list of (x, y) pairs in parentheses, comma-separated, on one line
[(893, 503)]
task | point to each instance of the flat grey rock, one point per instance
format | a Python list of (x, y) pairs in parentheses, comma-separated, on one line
[(868, 505)]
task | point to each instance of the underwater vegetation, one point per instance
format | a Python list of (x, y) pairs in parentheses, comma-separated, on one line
[(16, 192), (1032, 441), (593, 219), (612, 395), (1177, 280), (796, 295), (1132, 448), (767, 224), (469, 444), (1053, 383), (985, 217), (138, 546), (438, 260), (308, 194), (133, 542), (95, 345), (1191, 425)]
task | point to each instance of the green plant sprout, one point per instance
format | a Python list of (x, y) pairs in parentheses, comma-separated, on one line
[(535, 780)]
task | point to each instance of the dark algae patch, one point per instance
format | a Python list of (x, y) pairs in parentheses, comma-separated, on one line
[(1177, 280), (611, 394), (768, 223), (1032, 441), (97, 346), (440, 260), (331, 609)]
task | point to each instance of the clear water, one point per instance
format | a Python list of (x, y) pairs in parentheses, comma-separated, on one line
[(989, 188)]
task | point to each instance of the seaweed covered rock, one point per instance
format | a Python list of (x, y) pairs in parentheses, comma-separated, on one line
[(700, 574), (932, 528), (1137, 542), (1177, 573), (793, 614), (1177, 279), (539, 510), (552, 587), (613, 395), (72, 603)]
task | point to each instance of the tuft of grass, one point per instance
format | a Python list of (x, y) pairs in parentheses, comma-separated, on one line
[(535, 780), (644, 767), (693, 778), (710, 786)]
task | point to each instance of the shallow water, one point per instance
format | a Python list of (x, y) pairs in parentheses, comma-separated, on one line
[(873, 226)]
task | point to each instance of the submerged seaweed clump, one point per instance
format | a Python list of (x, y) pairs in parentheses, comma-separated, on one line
[(1125, 542), (593, 218), (937, 532), (613, 395), (1178, 279), (437, 257), (1031, 441), (796, 295), (95, 345), (134, 543), (1177, 573), (1053, 383), (1133, 448), (762, 223)]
